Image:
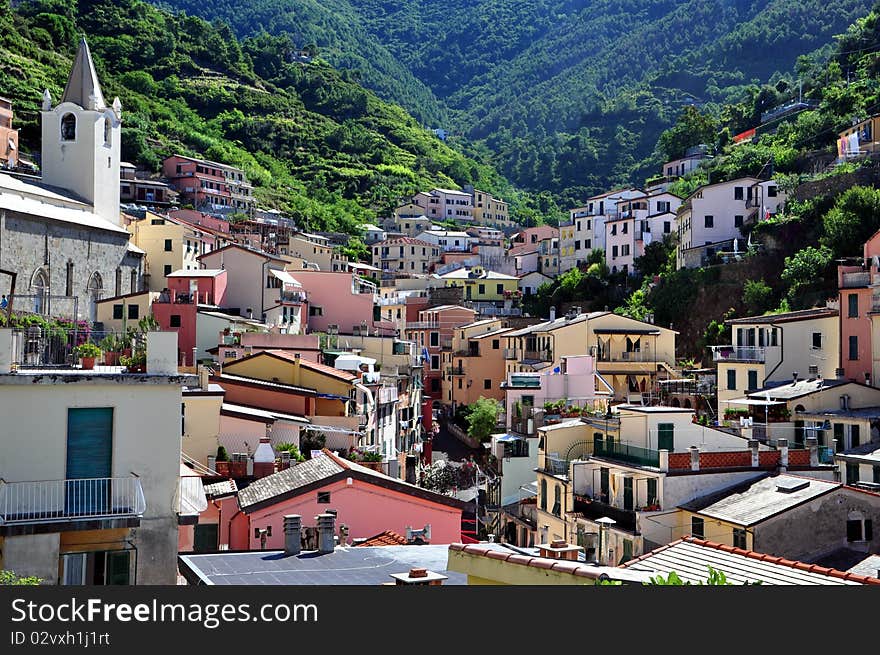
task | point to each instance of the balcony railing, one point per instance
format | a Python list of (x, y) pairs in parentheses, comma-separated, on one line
[(293, 297), (511, 353), (545, 355), (856, 279), (632, 356), (471, 352), (37, 348), (738, 353), (555, 465), (625, 453), (55, 501), (455, 370), (594, 509), (422, 325)]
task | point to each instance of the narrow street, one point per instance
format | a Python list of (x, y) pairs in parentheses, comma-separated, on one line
[(445, 442)]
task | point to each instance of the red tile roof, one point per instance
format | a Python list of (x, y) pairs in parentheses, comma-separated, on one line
[(387, 538), (404, 240), (291, 356), (763, 557)]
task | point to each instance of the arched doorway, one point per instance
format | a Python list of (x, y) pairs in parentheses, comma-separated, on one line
[(687, 403), (40, 291), (95, 291)]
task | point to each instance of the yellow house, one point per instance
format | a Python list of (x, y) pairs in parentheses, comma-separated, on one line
[(489, 210), (316, 249), (630, 355), (480, 284), (771, 349), (201, 419), (557, 445), (474, 366), (170, 245), (122, 312)]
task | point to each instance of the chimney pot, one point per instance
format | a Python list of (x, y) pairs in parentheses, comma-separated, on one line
[(753, 446), (418, 573), (292, 534), (326, 533)]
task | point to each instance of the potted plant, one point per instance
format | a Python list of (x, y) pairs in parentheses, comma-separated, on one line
[(88, 353), (112, 347), (222, 464), (136, 363)]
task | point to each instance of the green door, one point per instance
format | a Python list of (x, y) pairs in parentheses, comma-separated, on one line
[(89, 460), (628, 493), (118, 567), (665, 436), (603, 483)]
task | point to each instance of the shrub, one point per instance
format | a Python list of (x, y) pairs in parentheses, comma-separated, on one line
[(88, 349)]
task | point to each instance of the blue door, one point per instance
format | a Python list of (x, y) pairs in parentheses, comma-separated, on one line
[(89, 461)]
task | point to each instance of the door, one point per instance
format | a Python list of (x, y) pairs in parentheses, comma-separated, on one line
[(628, 493), (206, 538), (118, 567), (665, 436), (89, 460), (604, 484)]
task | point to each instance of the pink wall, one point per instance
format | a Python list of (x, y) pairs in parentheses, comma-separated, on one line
[(212, 290), (577, 384), (186, 333), (198, 218), (332, 292), (356, 507)]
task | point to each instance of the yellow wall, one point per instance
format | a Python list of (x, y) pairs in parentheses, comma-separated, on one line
[(151, 238), (266, 367), (144, 302), (742, 381), (201, 426), (713, 529), (490, 288), (486, 571)]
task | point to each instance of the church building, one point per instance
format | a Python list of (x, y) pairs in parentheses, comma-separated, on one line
[(62, 233)]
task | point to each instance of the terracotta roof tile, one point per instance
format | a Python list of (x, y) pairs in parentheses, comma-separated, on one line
[(320, 368), (386, 538)]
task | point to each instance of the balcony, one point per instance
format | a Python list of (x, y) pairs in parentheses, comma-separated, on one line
[(423, 325), (470, 352), (738, 354), (292, 297), (455, 370), (511, 353), (595, 509), (855, 280), (555, 465), (622, 452), (65, 501), (624, 356), (545, 355)]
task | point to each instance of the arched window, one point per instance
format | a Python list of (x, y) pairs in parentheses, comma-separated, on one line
[(108, 131), (543, 495), (68, 127), (40, 291), (95, 290), (557, 500)]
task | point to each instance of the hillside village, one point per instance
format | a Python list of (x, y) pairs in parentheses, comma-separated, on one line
[(188, 373)]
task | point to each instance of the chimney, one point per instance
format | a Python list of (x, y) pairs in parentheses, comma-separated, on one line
[(812, 444), (553, 313), (343, 534), (753, 446), (264, 457), (418, 576), (292, 534), (559, 549), (204, 377), (782, 444), (695, 458), (326, 530)]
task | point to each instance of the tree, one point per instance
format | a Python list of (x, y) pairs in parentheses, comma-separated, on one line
[(9, 578), (657, 257), (853, 219), (715, 577), (691, 129), (757, 296), (482, 418), (805, 267)]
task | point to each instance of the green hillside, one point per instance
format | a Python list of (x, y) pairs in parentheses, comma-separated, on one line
[(570, 95), (316, 144)]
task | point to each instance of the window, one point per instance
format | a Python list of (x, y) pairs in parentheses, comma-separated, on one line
[(174, 320), (737, 221), (604, 483), (666, 436), (613, 252), (625, 229), (435, 362), (614, 229), (557, 500), (487, 384), (854, 436), (459, 383), (496, 344), (709, 221), (737, 193), (167, 270), (652, 498), (731, 379), (499, 289), (316, 310), (434, 339), (816, 340), (482, 289), (169, 246), (838, 437), (771, 191), (103, 567), (858, 529), (753, 380), (853, 305), (697, 529), (435, 385), (739, 538), (577, 245), (853, 347), (134, 312), (323, 497), (624, 249), (68, 287), (543, 495), (667, 227), (117, 312), (68, 128)]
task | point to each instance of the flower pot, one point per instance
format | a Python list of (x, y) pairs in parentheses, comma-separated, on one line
[(88, 363), (111, 358), (137, 368), (222, 468)]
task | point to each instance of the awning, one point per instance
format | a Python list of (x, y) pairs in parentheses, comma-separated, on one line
[(191, 492), (509, 437), (760, 402), (285, 277)]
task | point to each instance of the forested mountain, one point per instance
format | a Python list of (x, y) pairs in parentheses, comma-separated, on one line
[(570, 95), (317, 144)]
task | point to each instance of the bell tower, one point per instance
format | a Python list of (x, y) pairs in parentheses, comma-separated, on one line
[(81, 139)]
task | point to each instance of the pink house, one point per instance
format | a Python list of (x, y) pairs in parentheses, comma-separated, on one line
[(575, 381), (366, 501), (342, 299), (176, 309), (856, 306)]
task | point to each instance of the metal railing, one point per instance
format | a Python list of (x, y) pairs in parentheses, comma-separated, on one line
[(738, 353), (455, 370), (422, 325), (38, 348), (626, 453), (545, 355), (555, 465), (296, 297), (624, 356), (52, 501), (511, 353)]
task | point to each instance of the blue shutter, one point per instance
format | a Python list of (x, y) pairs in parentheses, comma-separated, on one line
[(89, 456)]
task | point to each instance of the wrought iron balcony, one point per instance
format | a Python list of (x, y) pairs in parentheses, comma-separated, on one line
[(57, 501), (292, 297), (622, 452), (738, 354)]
